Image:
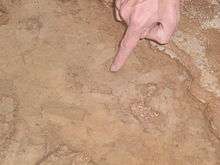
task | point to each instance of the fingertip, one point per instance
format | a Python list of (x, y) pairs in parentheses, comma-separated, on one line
[(114, 68)]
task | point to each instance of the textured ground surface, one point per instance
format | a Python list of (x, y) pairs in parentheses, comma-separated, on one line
[(60, 105)]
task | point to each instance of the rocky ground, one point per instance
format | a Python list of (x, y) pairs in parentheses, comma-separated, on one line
[(60, 105)]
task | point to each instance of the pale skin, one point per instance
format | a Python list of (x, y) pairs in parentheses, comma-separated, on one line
[(152, 19)]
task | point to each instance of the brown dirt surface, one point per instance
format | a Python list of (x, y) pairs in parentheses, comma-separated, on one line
[(60, 104)]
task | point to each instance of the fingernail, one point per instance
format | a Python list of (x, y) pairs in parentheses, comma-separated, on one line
[(114, 68)]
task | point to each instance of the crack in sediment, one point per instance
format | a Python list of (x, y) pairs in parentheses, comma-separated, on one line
[(206, 105), (202, 67), (210, 122)]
